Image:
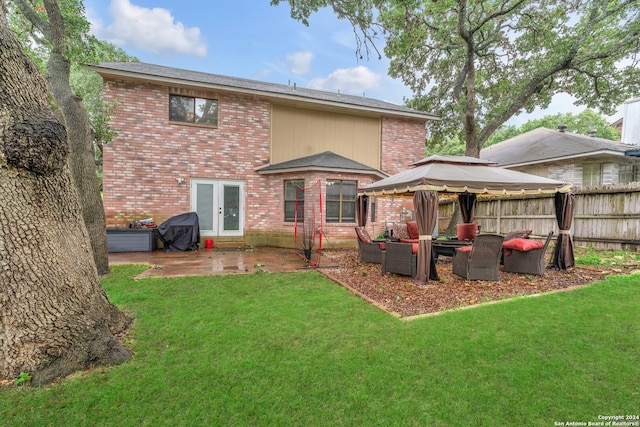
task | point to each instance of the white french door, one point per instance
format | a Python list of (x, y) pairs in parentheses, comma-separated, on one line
[(219, 205)]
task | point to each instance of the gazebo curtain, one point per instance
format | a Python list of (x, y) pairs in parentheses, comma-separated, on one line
[(563, 258), (425, 204), (362, 204), (467, 203)]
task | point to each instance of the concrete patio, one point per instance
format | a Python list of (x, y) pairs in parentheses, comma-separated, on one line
[(213, 261)]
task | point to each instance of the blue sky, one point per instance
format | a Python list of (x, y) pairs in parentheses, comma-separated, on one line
[(251, 39)]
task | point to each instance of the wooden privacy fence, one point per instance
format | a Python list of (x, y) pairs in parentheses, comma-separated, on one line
[(606, 217)]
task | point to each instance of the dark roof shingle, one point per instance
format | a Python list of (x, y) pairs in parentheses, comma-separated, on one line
[(321, 161), (162, 73), (542, 144)]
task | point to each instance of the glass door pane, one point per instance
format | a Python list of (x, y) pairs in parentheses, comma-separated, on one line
[(203, 202), (231, 208), (204, 206)]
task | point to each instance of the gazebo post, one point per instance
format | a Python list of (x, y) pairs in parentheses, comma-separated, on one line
[(467, 203), (362, 205), (425, 204), (563, 257)]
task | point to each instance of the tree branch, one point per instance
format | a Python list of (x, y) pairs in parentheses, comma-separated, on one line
[(29, 12), (566, 62), (56, 25), (501, 12)]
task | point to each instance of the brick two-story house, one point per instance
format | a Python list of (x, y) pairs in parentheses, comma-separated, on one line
[(234, 150)]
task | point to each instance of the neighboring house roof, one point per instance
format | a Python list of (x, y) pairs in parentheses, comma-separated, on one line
[(327, 161), (545, 145), (287, 93)]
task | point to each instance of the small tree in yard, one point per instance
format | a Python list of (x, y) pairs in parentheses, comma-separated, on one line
[(55, 317)]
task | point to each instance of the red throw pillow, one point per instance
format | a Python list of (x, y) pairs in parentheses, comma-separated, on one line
[(412, 228), (382, 246), (465, 248), (522, 244)]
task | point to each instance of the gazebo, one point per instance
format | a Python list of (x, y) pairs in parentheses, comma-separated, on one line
[(468, 177)]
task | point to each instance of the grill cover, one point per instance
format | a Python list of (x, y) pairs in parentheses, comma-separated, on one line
[(180, 233)]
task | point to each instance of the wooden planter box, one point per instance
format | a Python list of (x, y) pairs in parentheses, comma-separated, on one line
[(131, 239)]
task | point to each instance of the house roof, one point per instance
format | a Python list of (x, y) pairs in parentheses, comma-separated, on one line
[(543, 145), (461, 174), (285, 93), (327, 161)]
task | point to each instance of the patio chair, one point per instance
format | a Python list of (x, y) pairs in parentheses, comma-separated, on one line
[(398, 258), (402, 258), (524, 259), (368, 250), (481, 260)]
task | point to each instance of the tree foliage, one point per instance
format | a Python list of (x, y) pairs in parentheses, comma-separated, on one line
[(82, 49), (59, 33), (581, 123), (476, 63)]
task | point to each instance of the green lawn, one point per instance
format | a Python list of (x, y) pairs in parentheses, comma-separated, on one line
[(296, 349)]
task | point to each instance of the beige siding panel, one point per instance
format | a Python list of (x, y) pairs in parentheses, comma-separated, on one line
[(300, 132)]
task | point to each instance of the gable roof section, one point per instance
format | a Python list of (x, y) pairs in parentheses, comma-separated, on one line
[(543, 145), (327, 161), (285, 93)]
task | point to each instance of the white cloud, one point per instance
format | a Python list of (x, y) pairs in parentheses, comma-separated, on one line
[(152, 30), (97, 27), (354, 81), (299, 62)]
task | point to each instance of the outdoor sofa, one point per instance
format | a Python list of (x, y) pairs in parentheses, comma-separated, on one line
[(525, 256)]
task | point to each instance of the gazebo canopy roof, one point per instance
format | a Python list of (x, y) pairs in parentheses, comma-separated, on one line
[(460, 174)]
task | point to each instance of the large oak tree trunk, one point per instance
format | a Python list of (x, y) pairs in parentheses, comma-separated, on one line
[(80, 135), (82, 157), (54, 315)]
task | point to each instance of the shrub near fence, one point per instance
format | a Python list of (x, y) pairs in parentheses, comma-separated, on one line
[(606, 217)]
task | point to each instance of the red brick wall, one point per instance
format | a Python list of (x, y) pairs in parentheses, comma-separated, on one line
[(403, 143), (149, 153)]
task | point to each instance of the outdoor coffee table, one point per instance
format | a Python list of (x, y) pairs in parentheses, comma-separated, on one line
[(447, 247)]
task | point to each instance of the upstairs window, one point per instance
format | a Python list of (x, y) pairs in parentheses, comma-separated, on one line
[(188, 109), (341, 201)]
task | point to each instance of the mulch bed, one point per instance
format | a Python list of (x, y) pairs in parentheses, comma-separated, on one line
[(398, 295)]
